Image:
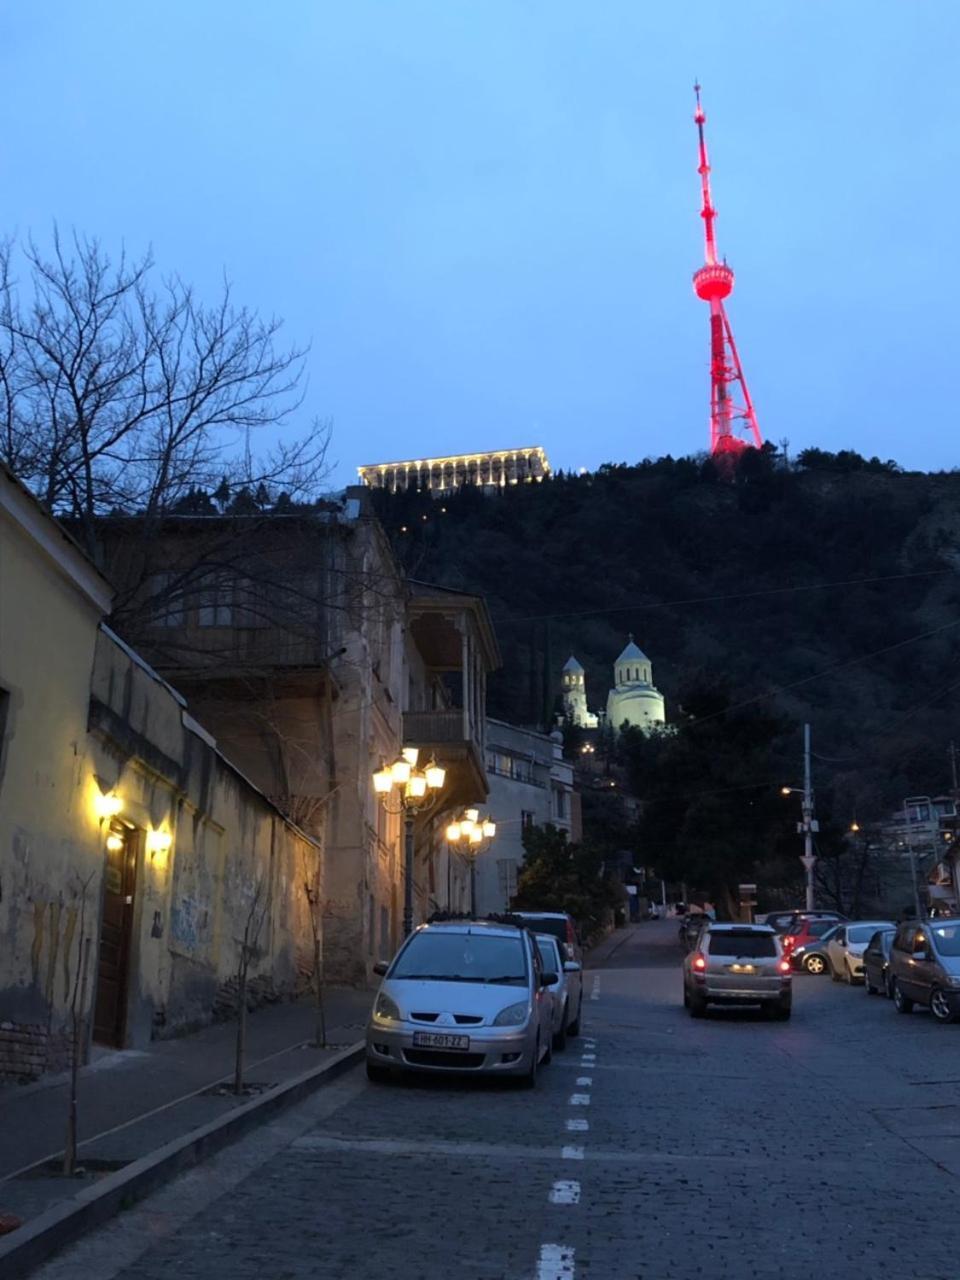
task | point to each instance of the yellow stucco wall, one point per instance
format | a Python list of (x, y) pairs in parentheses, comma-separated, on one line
[(49, 834)]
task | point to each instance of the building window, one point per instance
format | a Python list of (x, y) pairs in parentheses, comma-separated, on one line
[(165, 600), (560, 802), (216, 602), (507, 875), (526, 819)]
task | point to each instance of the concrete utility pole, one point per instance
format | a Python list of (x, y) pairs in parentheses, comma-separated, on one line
[(809, 824)]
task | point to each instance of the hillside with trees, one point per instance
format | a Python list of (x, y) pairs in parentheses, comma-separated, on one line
[(823, 588)]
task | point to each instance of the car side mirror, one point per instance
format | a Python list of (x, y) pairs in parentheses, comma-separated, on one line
[(572, 966), (548, 979), (381, 967)]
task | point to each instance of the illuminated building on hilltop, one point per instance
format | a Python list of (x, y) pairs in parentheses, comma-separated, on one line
[(495, 469)]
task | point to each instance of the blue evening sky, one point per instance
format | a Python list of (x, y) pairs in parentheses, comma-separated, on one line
[(483, 214)]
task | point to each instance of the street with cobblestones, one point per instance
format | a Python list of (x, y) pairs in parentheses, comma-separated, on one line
[(654, 1146)]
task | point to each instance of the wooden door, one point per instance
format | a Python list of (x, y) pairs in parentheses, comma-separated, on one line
[(113, 961)]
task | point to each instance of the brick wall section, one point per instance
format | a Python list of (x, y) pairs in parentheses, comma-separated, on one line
[(27, 1050)]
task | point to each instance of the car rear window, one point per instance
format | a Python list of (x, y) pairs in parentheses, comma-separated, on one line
[(732, 943), (548, 954), (463, 957), (557, 927)]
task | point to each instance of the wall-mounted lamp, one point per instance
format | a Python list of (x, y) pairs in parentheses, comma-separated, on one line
[(108, 805), (114, 842), (159, 842)]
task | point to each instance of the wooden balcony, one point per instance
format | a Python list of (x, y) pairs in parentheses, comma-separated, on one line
[(458, 747)]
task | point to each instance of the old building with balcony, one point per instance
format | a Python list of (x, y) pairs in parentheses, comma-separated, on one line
[(300, 643)]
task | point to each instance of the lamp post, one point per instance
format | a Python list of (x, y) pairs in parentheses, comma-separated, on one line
[(416, 791), (472, 835), (809, 825)]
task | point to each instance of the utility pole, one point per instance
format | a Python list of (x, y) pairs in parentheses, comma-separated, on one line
[(809, 824)]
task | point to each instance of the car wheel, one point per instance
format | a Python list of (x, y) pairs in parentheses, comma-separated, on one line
[(529, 1079), (548, 1053), (902, 1003), (834, 974), (560, 1039), (781, 1012), (940, 1006), (697, 1006), (376, 1074), (888, 987), (815, 964), (848, 973), (574, 1027), (868, 986)]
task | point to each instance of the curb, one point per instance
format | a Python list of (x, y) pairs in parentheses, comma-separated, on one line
[(41, 1237)]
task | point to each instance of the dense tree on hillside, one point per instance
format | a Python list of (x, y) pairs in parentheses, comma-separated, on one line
[(828, 591)]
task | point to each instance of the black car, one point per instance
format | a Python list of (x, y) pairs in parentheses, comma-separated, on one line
[(876, 964)]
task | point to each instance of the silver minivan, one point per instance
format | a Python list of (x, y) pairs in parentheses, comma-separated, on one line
[(925, 967), (737, 964), (466, 996)]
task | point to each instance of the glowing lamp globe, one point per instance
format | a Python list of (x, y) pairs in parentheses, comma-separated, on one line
[(714, 282)]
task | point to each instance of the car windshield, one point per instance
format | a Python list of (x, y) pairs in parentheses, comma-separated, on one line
[(818, 928), (861, 932), (463, 957), (947, 939), (731, 942), (548, 954)]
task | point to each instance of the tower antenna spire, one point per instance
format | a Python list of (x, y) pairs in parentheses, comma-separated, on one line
[(732, 426)]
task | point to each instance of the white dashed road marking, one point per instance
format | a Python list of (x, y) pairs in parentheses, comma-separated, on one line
[(585, 1080), (578, 1126), (579, 1100), (572, 1153), (588, 1057), (565, 1192), (555, 1263)]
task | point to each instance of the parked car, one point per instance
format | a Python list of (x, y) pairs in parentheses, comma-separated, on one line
[(877, 979), (553, 962), (464, 996), (799, 925), (737, 964), (811, 955), (925, 967), (777, 920), (690, 927), (562, 927), (802, 940), (846, 946)]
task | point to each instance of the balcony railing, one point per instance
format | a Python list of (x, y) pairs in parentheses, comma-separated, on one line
[(434, 726)]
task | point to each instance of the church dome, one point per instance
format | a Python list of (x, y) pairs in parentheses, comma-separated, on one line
[(632, 667), (572, 664), (632, 653)]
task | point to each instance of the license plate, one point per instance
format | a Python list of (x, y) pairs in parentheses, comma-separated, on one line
[(743, 968), (439, 1040)]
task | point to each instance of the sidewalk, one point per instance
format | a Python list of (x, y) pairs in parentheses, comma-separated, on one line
[(132, 1102)]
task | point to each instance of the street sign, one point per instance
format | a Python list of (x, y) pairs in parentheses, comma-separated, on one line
[(747, 892)]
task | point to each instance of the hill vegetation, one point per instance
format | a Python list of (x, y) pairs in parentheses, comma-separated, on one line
[(822, 589)]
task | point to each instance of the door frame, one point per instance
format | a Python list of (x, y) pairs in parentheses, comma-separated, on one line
[(132, 873)]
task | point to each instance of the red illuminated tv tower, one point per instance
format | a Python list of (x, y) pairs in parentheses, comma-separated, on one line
[(732, 427)]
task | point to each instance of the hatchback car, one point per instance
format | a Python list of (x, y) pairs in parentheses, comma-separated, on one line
[(737, 964), (465, 996), (564, 929), (846, 947), (876, 963), (925, 967), (811, 956), (553, 962)]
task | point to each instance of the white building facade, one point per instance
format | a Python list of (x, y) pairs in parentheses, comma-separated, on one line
[(634, 699), (574, 693), (530, 785)]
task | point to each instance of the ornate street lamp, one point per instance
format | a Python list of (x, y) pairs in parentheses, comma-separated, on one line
[(404, 788), (472, 835)]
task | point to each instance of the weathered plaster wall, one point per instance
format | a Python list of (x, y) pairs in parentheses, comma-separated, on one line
[(48, 828)]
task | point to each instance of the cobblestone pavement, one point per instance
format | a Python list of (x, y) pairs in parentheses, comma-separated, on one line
[(655, 1146)]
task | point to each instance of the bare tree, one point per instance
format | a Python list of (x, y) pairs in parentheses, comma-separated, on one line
[(119, 397), (78, 1001), (312, 872), (249, 949)]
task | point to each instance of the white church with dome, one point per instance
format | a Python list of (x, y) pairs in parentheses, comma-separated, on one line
[(633, 700)]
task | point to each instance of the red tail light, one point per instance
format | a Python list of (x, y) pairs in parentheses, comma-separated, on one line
[(784, 966), (788, 942), (699, 961)]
